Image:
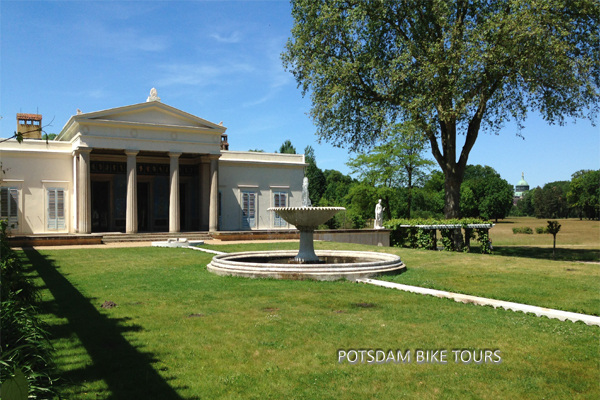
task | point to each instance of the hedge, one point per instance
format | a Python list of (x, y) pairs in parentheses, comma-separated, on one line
[(420, 238)]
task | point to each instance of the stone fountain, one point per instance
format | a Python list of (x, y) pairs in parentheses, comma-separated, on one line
[(306, 264)]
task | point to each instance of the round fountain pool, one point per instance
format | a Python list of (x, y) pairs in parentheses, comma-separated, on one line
[(333, 265)]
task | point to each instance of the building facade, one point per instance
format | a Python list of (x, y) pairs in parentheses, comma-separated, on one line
[(146, 167)]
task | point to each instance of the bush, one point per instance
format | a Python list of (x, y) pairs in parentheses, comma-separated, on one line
[(525, 229), (541, 230), (26, 360)]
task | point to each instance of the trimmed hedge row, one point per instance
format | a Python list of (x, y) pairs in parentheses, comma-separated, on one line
[(419, 238)]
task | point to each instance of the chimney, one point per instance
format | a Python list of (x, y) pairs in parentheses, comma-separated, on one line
[(224, 144), (30, 125)]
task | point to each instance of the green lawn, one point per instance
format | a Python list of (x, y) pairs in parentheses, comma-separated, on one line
[(569, 286), (179, 332)]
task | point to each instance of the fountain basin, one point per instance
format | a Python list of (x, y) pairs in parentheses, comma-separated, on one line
[(349, 265), (306, 216)]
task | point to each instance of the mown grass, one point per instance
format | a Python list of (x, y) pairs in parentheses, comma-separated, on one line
[(179, 332), (576, 241), (569, 286), (573, 233)]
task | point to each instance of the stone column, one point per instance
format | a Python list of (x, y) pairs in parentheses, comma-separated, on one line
[(75, 204), (204, 193), (213, 218), (85, 191), (174, 191), (131, 215)]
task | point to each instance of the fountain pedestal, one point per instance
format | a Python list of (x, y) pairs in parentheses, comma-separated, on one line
[(306, 254), (306, 220)]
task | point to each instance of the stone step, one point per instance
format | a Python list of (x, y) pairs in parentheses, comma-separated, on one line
[(110, 234), (154, 237)]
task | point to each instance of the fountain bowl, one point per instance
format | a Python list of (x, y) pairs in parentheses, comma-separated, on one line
[(306, 216), (349, 265)]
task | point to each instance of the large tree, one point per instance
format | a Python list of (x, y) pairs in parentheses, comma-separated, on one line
[(453, 67)]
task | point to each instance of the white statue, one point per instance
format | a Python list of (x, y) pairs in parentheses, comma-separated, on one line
[(153, 95), (379, 215), (305, 197)]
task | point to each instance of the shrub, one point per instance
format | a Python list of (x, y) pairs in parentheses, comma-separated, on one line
[(524, 229), (405, 233), (541, 230), (26, 359)]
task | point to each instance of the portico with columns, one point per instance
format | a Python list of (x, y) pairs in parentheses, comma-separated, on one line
[(146, 167), (170, 156)]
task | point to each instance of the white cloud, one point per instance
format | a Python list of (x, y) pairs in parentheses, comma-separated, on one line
[(200, 74), (233, 38), (120, 41)]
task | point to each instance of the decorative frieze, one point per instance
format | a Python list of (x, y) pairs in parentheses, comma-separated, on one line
[(113, 167)]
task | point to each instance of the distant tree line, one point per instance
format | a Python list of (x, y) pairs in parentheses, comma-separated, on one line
[(403, 179), (397, 173), (577, 198)]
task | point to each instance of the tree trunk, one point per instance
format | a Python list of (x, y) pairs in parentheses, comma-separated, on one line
[(409, 193), (554, 248), (452, 194), (452, 208), (388, 211)]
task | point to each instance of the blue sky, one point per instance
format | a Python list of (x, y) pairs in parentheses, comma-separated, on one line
[(220, 61)]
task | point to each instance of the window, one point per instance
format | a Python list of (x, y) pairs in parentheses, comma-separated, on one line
[(56, 208), (279, 200), (248, 210), (9, 205)]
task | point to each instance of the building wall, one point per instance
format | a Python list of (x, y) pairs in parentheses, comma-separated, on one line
[(263, 174), (34, 167)]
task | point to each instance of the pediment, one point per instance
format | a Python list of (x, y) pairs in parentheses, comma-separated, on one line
[(151, 113)]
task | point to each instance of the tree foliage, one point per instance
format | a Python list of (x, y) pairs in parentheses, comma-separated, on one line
[(452, 67), (584, 194), (399, 162), (485, 194), (551, 200), (316, 179), (287, 148)]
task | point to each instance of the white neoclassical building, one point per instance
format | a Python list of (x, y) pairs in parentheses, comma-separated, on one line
[(146, 167)]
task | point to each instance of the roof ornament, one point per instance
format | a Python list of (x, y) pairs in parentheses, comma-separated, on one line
[(153, 96), (221, 123), (79, 111)]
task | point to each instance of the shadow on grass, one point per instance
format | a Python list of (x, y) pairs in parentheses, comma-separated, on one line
[(545, 253), (126, 371)]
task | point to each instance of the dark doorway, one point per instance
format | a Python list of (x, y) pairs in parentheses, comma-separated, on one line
[(143, 206), (100, 206), (182, 207)]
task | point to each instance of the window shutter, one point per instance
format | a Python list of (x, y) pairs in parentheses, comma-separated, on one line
[(56, 209), (252, 210), (4, 203), (60, 209), (248, 209), (9, 205), (51, 209), (279, 200)]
